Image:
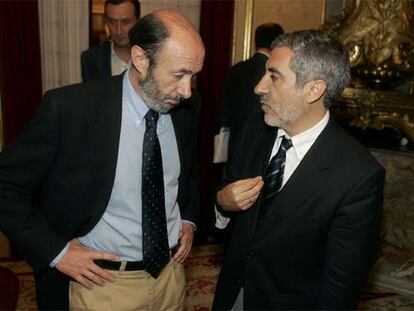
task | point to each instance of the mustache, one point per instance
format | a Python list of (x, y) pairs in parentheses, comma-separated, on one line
[(175, 98)]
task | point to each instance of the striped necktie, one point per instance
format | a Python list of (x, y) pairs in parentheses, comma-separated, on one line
[(274, 171)]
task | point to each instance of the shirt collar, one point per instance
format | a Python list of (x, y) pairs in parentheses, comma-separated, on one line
[(136, 104), (302, 142)]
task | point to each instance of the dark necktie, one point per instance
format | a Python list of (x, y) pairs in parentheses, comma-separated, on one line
[(156, 253), (274, 171)]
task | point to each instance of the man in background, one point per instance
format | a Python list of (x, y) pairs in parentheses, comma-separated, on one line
[(115, 163), (112, 57), (306, 198), (239, 100)]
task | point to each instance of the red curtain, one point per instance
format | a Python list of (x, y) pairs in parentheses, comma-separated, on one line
[(216, 25), (20, 69)]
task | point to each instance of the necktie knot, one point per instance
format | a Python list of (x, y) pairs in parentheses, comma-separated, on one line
[(151, 119), (286, 143)]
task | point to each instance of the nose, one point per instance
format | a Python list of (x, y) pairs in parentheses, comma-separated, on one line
[(260, 87), (184, 89), (119, 27)]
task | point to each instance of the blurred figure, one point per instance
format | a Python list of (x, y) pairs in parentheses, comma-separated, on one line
[(113, 57)]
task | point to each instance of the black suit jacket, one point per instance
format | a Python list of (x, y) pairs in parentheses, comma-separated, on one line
[(316, 242), (239, 100), (69, 151), (96, 62)]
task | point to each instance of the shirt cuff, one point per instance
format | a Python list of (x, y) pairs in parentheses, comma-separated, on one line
[(59, 256), (190, 222), (221, 221)]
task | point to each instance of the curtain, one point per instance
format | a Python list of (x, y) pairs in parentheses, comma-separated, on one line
[(189, 8), (20, 73), (64, 34), (216, 24)]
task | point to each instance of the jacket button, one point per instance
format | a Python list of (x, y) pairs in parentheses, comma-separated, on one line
[(250, 254)]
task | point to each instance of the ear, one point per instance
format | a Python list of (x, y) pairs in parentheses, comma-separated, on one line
[(314, 91), (139, 60)]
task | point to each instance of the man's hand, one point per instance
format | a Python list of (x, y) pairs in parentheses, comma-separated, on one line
[(185, 242), (78, 264), (240, 195)]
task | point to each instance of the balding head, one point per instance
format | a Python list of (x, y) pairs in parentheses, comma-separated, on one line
[(174, 18), (152, 31), (177, 24)]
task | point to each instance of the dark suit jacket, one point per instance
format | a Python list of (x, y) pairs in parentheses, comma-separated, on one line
[(317, 240), (96, 62), (69, 151), (239, 100)]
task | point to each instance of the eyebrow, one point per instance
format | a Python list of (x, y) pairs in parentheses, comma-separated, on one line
[(185, 71), (274, 70)]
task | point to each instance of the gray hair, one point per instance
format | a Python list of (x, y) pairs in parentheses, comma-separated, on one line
[(317, 56)]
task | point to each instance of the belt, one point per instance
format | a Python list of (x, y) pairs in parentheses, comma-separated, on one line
[(116, 265), (130, 265)]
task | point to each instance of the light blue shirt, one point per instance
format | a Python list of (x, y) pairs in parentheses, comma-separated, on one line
[(119, 231)]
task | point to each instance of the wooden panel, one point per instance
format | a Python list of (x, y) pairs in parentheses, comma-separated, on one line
[(290, 14)]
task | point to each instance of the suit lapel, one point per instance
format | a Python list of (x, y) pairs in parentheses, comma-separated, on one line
[(257, 159), (258, 156), (308, 178), (105, 130)]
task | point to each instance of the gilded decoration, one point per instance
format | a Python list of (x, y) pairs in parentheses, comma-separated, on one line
[(380, 38), (375, 109)]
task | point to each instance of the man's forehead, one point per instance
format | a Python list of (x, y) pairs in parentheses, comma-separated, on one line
[(124, 8), (282, 52), (182, 48), (280, 55)]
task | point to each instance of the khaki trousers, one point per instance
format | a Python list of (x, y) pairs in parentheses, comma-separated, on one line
[(133, 290)]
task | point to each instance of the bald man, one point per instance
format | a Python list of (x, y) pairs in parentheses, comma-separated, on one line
[(115, 162)]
